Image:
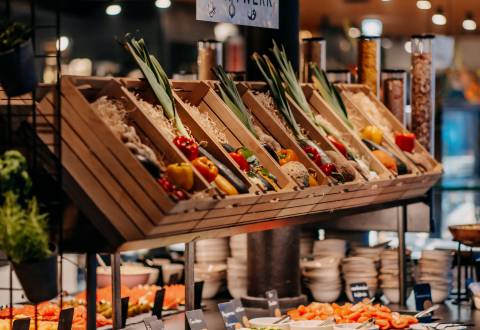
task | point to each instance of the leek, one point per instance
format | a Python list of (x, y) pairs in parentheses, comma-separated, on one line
[(157, 79), (232, 98)]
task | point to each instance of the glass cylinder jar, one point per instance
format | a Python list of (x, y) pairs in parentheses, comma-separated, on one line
[(369, 62), (423, 89), (339, 76), (312, 50), (394, 88), (210, 54)]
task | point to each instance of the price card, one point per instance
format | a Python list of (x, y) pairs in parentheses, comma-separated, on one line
[(359, 291), (227, 310), (124, 303), (240, 312), (423, 296), (21, 324), (273, 304), (196, 320), (65, 319), (158, 303), (149, 320)]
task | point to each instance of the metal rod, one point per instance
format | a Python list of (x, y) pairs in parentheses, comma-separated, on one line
[(116, 292), (10, 296), (459, 273), (402, 269), (189, 278), (91, 291)]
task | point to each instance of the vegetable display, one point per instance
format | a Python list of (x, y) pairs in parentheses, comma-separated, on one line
[(170, 122), (357, 313)]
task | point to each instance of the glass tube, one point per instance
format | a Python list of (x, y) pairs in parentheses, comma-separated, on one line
[(210, 54), (339, 76), (369, 63), (312, 50), (423, 89), (394, 84)]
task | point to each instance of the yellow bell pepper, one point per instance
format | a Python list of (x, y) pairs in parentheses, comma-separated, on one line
[(225, 186), (181, 174), (373, 134)]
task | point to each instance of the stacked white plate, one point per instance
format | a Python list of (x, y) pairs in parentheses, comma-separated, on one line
[(367, 252), (329, 248), (213, 276), (306, 244), (237, 277), (434, 267), (238, 246), (213, 250), (389, 274), (359, 269), (322, 277)]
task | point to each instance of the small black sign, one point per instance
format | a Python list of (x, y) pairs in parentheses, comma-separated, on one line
[(21, 324), (124, 311), (158, 303), (227, 310), (423, 296), (359, 291), (273, 304), (149, 320), (240, 312), (196, 320), (65, 319), (173, 279), (198, 289)]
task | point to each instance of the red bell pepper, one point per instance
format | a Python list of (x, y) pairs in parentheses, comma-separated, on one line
[(328, 169), (187, 146), (240, 160), (405, 141), (206, 168), (339, 145), (313, 154)]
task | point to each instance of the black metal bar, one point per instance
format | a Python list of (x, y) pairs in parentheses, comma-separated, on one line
[(402, 274), (91, 291), (10, 295)]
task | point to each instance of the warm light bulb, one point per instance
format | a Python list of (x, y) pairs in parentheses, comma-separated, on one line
[(469, 24), (163, 3), (439, 19), (372, 27), (62, 43), (408, 46), (113, 9), (424, 4)]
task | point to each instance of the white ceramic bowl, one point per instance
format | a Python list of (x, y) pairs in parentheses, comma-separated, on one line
[(351, 326), (267, 322), (211, 288), (309, 325), (131, 275), (237, 291), (439, 295), (212, 243), (392, 294), (325, 294), (322, 273)]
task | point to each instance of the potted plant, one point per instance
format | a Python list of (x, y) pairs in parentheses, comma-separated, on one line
[(23, 231), (17, 66)]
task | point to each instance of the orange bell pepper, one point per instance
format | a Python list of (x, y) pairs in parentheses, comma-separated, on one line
[(286, 155)]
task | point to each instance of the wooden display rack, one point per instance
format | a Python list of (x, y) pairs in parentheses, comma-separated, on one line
[(129, 198)]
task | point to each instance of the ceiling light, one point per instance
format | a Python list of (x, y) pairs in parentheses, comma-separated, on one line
[(439, 18), (163, 3), (469, 23), (372, 27), (385, 0), (354, 32), (62, 43), (408, 46), (113, 9), (424, 4), (223, 31)]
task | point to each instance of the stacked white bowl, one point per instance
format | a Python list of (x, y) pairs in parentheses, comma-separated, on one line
[(237, 266), (389, 273), (330, 247), (359, 269), (322, 277), (213, 276), (367, 252), (434, 267), (213, 250)]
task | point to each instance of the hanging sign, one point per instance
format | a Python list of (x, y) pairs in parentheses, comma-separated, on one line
[(359, 291), (261, 13), (423, 296)]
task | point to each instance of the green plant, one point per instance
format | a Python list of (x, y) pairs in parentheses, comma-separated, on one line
[(13, 34), (23, 231), (14, 176)]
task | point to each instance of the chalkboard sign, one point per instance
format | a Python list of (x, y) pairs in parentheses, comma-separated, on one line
[(124, 315), (65, 319), (359, 291), (158, 303), (21, 324), (240, 312), (227, 310), (196, 320), (262, 13), (423, 296), (273, 304)]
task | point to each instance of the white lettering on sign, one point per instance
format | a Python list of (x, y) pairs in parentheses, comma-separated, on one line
[(261, 13)]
